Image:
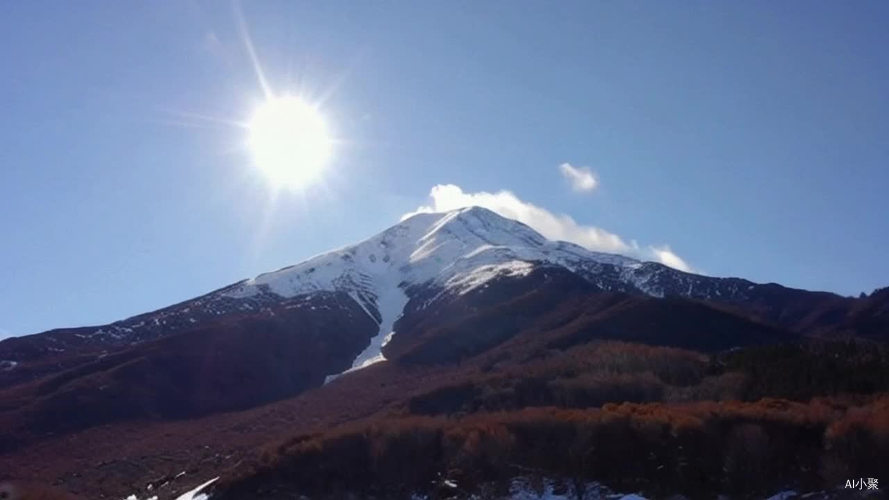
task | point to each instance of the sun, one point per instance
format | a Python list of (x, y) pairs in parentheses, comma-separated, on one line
[(289, 141)]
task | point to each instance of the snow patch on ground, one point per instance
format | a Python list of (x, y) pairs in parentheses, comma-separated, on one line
[(194, 494), (550, 489)]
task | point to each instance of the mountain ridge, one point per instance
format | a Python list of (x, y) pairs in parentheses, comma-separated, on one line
[(471, 312), (451, 251)]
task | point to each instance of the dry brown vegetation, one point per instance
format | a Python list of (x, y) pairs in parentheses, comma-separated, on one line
[(635, 416), (698, 449), (679, 426)]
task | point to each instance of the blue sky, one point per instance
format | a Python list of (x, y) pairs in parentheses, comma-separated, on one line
[(748, 137)]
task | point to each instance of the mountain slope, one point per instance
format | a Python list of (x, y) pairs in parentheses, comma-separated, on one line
[(435, 288), (472, 313), (449, 252)]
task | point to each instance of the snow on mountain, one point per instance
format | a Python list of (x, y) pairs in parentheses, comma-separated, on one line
[(434, 253), (426, 247), (458, 251)]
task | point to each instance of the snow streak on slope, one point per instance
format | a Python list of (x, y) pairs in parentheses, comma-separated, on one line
[(390, 304), (457, 251), (481, 275), (196, 494)]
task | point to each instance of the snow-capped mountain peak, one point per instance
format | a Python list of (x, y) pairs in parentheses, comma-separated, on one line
[(335, 311), (434, 254), (457, 251), (428, 247)]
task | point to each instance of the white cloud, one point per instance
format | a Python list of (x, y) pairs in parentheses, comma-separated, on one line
[(665, 256), (445, 197), (581, 178)]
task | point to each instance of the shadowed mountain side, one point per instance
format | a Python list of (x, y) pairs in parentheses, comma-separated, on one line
[(448, 328), (799, 309), (869, 317), (231, 365), (445, 327), (670, 322)]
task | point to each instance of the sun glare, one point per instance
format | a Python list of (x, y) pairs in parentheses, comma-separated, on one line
[(289, 141)]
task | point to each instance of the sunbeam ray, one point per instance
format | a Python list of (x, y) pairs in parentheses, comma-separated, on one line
[(196, 119), (248, 44)]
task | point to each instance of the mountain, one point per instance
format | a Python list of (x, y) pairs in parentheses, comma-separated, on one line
[(449, 253), (336, 312), (471, 312)]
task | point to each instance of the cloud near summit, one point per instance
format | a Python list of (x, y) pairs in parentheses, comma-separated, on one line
[(581, 178), (445, 197)]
